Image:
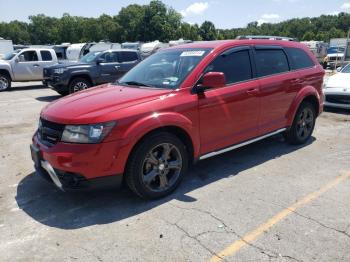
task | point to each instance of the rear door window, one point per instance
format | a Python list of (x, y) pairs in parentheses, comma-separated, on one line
[(299, 59), (271, 62), (236, 66), (127, 57), (46, 56)]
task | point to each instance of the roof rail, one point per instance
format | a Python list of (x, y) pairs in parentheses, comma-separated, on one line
[(265, 37)]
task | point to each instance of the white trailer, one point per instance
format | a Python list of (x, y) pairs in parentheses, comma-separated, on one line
[(150, 48), (6, 46)]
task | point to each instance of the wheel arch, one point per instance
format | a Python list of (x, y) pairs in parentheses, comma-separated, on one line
[(309, 94), (6, 72), (171, 122), (174, 130), (81, 75)]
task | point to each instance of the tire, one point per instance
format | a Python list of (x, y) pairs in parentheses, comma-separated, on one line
[(5, 82), (78, 84), (157, 165), (303, 125)]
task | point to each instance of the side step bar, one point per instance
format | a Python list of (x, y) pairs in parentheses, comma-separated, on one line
[(215, 153)]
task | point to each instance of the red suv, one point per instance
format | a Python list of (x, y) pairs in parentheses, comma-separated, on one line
[(180, 105)]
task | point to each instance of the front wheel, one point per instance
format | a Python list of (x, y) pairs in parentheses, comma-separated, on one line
[(303, 125), (78, 84), (5, 82), (157, 165)]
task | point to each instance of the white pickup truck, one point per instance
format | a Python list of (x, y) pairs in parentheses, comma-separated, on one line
[(25, 65)]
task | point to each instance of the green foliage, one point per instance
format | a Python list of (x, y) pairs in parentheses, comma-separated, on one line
[(156, 21)]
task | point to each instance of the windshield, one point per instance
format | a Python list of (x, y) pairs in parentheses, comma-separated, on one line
[(346, 69), (335, 50), (166, 69), (90, 57), (9, 56)]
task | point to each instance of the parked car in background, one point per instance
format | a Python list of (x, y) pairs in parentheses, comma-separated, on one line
[(180, 105), (337, 89), (25, 65), (93, 69)]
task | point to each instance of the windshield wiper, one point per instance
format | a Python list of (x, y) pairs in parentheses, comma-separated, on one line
[(134, 83)]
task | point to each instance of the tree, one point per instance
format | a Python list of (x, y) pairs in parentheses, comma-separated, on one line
[(207, 31)]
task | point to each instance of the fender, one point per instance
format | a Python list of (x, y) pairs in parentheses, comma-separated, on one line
[(151, 122), (5, 67), (83, 72), (301, 95)]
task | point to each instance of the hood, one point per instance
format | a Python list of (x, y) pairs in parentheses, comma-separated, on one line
[(98, 104), (335, 55), (339, 80), (4, 62)]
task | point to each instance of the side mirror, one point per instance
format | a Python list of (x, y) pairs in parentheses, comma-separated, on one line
[(100, 60), (211, 80), (339, 69)]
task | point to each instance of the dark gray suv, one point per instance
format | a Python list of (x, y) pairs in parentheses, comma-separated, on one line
[(93, 69)]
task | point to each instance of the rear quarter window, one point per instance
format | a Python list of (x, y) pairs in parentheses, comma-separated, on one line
[(127, 57), (299, 59), (46, 56), (271, 62)]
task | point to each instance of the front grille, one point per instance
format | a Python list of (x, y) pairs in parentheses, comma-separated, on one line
[(49, 132), (338, 99)]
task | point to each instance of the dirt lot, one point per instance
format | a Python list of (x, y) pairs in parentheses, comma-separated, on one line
[(288, 203)]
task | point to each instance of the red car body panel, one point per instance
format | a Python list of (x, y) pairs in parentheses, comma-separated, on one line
[(214, 120)]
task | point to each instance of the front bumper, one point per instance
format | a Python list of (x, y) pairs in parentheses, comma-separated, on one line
[(57, 83), (337, 97), (77, 166)]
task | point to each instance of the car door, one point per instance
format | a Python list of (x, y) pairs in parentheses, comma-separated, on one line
[(277, 87), (26, 67), (230, 115), (109, 68), (127, 59)]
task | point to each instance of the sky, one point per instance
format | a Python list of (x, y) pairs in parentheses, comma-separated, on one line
[(223, 13)]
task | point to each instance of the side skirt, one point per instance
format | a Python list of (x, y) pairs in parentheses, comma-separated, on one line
[(227, 149)]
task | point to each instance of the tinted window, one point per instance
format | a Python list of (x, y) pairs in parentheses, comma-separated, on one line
[(298, 58), (30, 56), (271, 61), (110, 57), (236, 66), (46, 56), (127, 57)]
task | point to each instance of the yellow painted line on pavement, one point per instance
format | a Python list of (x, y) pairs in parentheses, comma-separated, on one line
[(253, 235)]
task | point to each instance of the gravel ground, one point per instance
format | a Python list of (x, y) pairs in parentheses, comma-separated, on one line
[(288, 202)]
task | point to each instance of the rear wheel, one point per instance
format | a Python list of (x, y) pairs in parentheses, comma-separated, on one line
[(5, 82), (157, 166), (78, 84), (303, 124)]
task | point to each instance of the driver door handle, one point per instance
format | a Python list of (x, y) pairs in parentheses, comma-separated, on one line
[(253, 91), (117, 67), (36, 65)]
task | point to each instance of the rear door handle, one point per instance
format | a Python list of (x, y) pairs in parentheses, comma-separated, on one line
[(253, 91), (36, 65)]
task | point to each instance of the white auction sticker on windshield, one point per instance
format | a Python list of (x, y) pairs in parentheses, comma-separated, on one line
[(192, 53)]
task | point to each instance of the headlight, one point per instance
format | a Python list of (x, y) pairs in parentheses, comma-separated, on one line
[(87, 134), (59, 70)]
